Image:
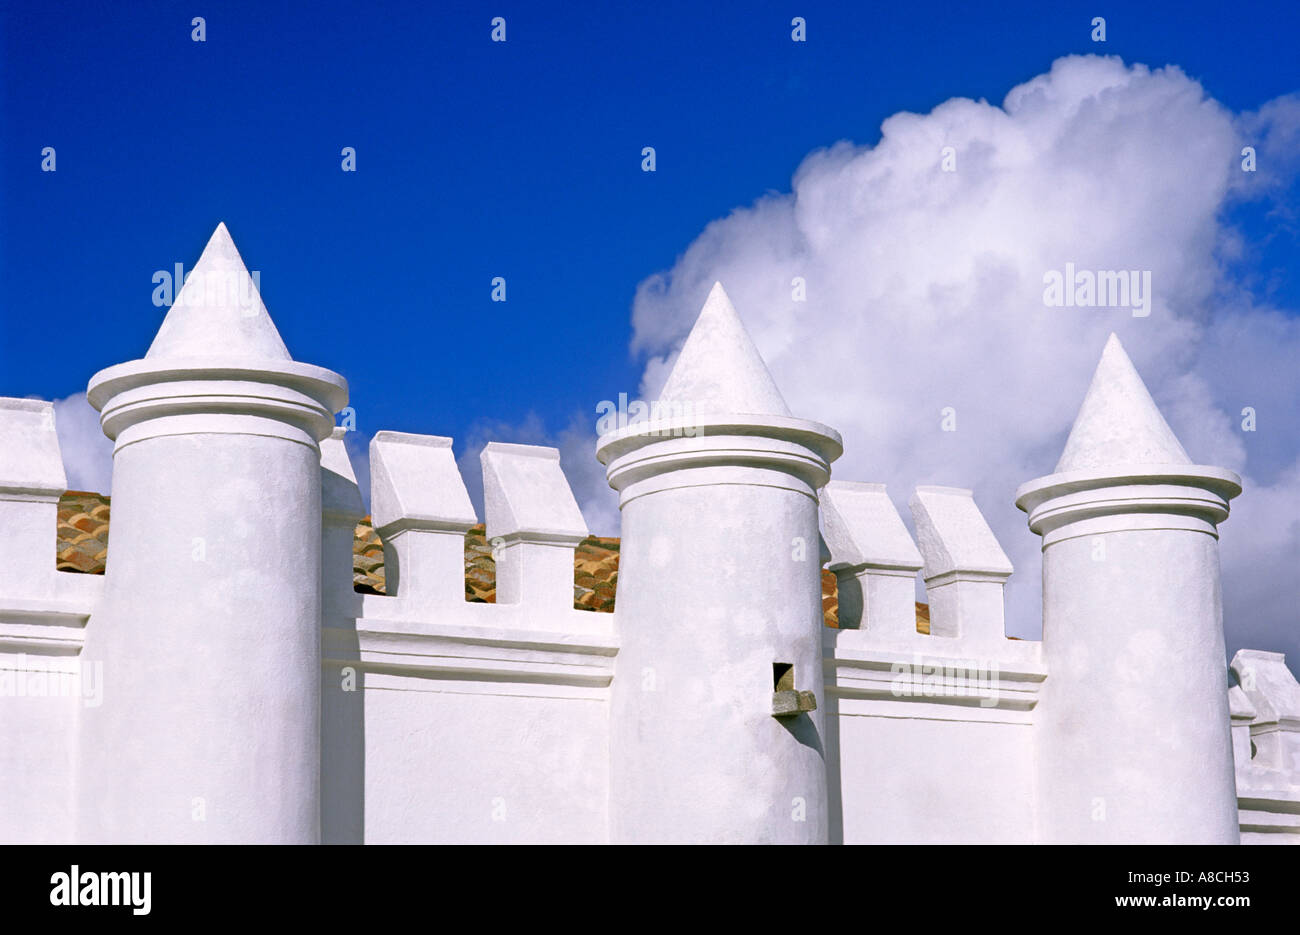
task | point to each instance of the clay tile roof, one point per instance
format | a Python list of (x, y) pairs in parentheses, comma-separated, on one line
[(82, 543), (82, 546)]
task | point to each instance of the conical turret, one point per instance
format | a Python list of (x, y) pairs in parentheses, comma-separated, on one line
[(719, 369), (218, 311), (729, 732), (1119, 423), (1132, 725), (211, 609)]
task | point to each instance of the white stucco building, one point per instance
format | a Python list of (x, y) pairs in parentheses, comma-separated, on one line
[(223, 681)]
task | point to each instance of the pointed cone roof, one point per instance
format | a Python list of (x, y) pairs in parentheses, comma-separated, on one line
[(218, 312), (1118, 423), (719, 370)]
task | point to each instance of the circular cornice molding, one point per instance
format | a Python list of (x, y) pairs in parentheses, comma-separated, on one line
[(1192, 490), (302, 395), (646, 451)]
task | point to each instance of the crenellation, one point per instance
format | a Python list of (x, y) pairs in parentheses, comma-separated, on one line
[(1273, 696), (1265, 716), (965, 568), (421, 510), (236, 675), (31, 481), (533, 524), (341, 509), (873, 557), (1242, 713)]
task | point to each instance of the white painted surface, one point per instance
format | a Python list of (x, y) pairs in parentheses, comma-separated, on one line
[(872, 556), (965, 567), (31, 481), (719, 370), (39, 706), (1265, 709), (533, 523), (208, 629), (1133, 732), (421, 511), (719, 579), (515, 767), (909, 780), (42, 616), (488, 725), (245, 692), (341, 510)]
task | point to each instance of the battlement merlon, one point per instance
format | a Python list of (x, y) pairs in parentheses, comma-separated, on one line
[(533, 524), (873, 558), (421, 511)]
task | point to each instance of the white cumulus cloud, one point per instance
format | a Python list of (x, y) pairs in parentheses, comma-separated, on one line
[(925, 290), (87, 451)]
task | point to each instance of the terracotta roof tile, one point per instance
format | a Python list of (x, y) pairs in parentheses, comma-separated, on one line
[(82, 536), (82, 546)]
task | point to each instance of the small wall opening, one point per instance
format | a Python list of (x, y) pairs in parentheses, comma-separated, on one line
[(783, 676)]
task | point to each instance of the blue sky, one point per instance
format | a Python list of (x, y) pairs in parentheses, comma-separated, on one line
[(522, 160), (475, 159)]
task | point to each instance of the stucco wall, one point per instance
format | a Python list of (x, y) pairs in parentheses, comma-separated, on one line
[(36, 751), (913, 780)]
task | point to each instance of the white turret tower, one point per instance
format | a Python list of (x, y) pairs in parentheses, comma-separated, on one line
[(1133, 726), (717, 720), (209, 629)]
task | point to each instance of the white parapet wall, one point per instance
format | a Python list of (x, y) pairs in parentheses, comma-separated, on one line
[(872, 557), (421, 512), (341, 510), (929, 735), (449, 721), (44, 684), (965, 567), (533, 523), (1265, 712)]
